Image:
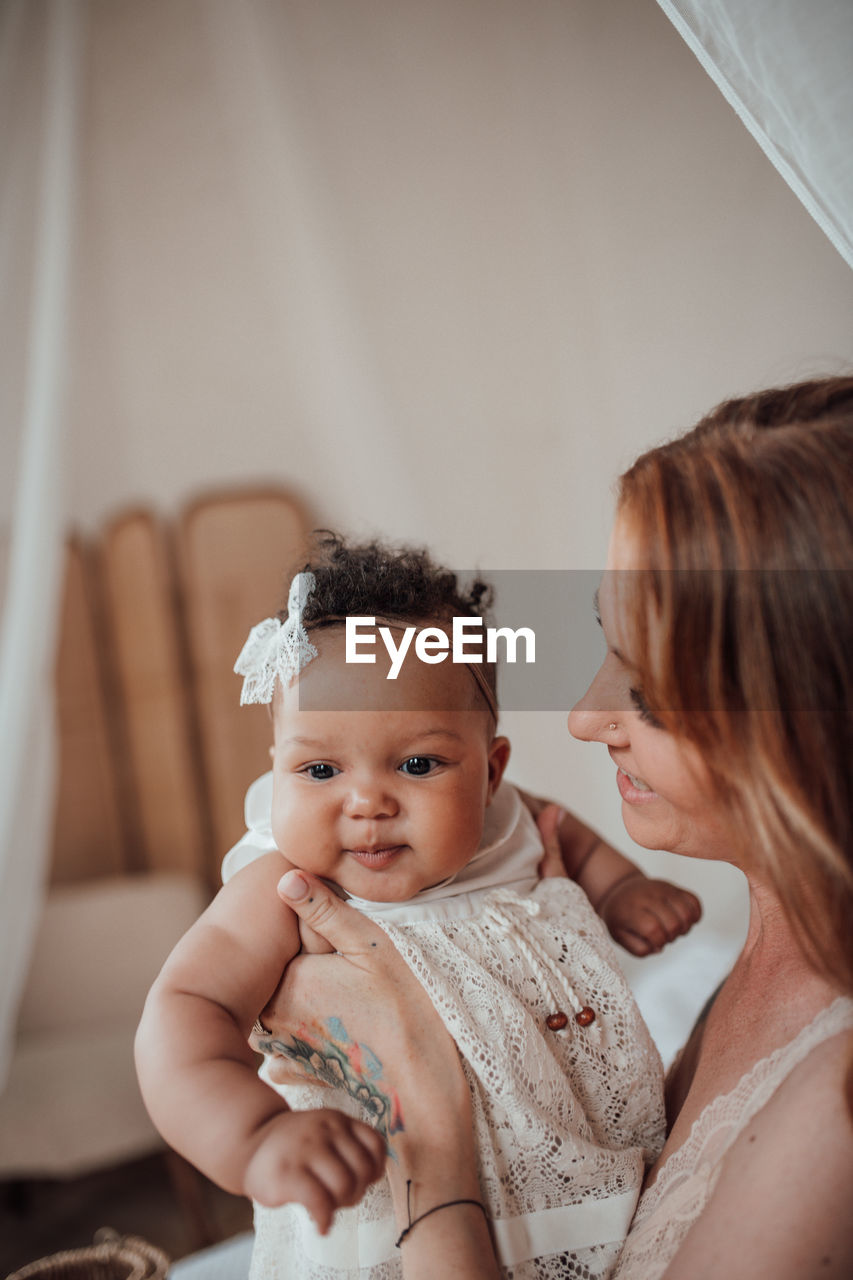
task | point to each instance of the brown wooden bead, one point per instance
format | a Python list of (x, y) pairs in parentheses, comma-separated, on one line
[(585, 1017), (556, 1021)]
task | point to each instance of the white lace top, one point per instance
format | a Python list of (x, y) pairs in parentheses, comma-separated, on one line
[(565, 1120), (686, 1181)]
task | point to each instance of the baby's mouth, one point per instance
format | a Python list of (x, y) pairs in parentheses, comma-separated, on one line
[(376, 856)]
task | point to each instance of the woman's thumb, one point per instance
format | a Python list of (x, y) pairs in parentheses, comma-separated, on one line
[(318, 906)]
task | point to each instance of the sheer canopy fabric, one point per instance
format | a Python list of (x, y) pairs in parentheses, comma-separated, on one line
[(787, 69), (38, 61)]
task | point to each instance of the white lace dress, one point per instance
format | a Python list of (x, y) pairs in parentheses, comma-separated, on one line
[(686, 1181), (565, 1120)]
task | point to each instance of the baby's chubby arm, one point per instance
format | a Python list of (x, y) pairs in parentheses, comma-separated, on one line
[(641, 913), (198, 1075)]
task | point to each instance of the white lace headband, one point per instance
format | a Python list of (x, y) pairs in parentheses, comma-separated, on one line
[(279, 650), (276, 650)]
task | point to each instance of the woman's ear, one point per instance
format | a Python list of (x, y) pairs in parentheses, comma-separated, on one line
[(498, 757)]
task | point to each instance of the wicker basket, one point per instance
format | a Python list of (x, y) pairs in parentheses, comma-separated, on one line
[(111, 1257)]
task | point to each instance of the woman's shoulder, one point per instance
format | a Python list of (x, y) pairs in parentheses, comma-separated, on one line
[(732, 1084), (793, 1162), (821, 1039), (779, 1145), (810, 1102)]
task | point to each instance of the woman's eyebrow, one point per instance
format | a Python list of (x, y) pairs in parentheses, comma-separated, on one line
[(596, 607)]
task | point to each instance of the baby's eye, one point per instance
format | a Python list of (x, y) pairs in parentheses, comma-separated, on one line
[(644, 709), (419, 766), (320, 771)]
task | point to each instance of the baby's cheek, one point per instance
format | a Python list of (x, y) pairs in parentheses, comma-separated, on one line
[(281, 822), (462, 839), (302, 837)]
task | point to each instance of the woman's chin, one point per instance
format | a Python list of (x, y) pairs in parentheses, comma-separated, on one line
[(645, 829)]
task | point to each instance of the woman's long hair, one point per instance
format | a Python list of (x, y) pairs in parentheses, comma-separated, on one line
[(746, 648)]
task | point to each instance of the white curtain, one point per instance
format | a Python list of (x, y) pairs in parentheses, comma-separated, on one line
[(38, 59), (787, 69)]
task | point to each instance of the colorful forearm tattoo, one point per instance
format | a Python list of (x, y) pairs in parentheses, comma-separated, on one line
[(327, 1052)]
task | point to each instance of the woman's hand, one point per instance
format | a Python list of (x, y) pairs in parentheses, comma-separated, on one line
[(359, 1020)]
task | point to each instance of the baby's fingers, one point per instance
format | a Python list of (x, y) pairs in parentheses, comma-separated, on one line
[(633, 942), (668, 922), (548, 822), (650, 913), (364, 1152), (306, 1188), (345, 1167), (687, 907), (641, 921), (321, 1159), (655, 926), (675, 910)]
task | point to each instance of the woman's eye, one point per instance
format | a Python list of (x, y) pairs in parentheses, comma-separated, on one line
[(643, 708), (418, 766), (320, 772)]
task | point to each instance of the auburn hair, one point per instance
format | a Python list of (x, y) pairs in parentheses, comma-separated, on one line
[(742, 633)]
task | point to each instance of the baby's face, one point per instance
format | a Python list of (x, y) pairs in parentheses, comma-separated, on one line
[(387, 801)]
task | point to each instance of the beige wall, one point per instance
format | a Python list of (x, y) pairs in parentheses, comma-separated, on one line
[(441, 268), (465, 242)]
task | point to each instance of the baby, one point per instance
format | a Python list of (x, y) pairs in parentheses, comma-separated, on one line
[(392, 790)]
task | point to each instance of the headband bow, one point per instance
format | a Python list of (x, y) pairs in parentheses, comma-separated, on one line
[(276, 650)]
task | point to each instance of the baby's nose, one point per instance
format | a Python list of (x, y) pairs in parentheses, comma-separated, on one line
[(370, 799)]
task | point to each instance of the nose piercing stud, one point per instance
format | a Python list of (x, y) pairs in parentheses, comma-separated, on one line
[(612, 725)]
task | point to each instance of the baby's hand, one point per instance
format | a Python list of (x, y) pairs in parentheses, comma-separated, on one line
[(320, 1159), (548, 820), (644, 915)]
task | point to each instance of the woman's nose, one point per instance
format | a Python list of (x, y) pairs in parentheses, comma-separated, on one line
[(368, 798), (583, 723), (595, 725), (600, 714)]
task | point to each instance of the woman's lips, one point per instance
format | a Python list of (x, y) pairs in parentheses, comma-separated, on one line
[(633, 789), (377, 858)]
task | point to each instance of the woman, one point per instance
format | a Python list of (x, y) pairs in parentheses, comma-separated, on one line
[(725, 702)]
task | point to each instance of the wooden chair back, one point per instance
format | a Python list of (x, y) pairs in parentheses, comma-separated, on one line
[(155, 750)]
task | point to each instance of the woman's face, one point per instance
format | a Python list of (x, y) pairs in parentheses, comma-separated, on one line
[(667, 799)]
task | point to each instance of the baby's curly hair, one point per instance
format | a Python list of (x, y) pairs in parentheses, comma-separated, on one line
[(392, 583)]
